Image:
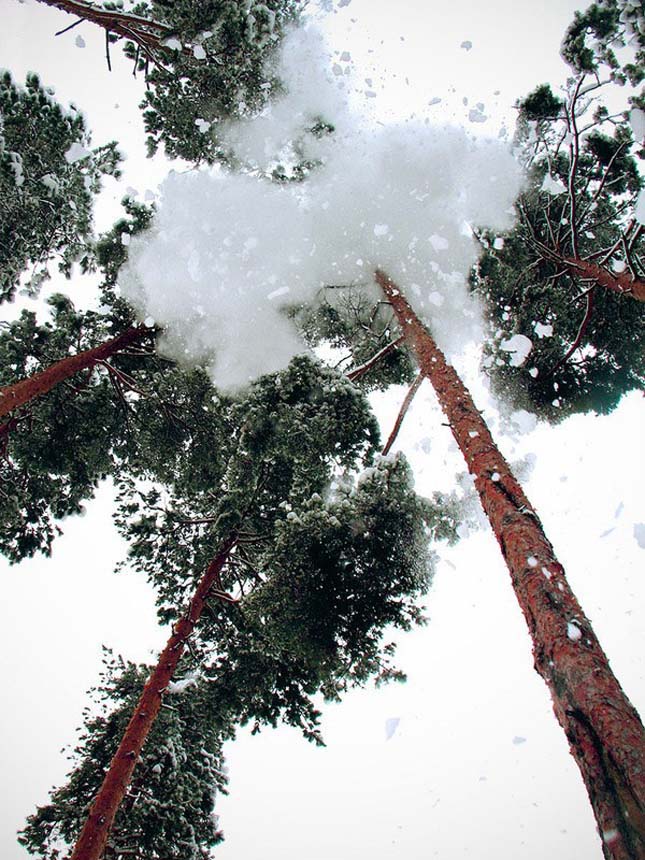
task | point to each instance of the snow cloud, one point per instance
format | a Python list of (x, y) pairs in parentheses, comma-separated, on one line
[(227, 253)]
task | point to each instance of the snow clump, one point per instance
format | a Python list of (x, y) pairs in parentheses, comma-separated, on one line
[(228, 252)]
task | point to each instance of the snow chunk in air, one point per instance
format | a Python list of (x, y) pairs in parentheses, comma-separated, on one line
[(519, 346)]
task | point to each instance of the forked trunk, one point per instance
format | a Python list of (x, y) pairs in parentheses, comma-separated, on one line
[(605, 733), (92, 840), (20, 393)]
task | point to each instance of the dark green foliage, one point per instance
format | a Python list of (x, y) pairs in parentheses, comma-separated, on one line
[(233, 80), (521, 290), (583, 182), (45, 203), (168, 811), (591, 39), (358, 325), (56, 449), (540, 104), (324, 565)]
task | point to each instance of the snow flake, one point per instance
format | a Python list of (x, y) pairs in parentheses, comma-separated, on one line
[(519, 345), (477, 114), (79, 42), (202, 124), (637, 120), (553, 186), (76, 152), (573, 631), (543, 329), (533, 371), (125, 238), (639, 534), (498, 243), (391, 725), (495, 476), (173, 43), (532, 561), (466, 45), (198, 52), (639, 211)]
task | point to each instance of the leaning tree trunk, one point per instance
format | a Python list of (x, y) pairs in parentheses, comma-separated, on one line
[(605, 734), (619, 282), (20, 393), (92, 840)]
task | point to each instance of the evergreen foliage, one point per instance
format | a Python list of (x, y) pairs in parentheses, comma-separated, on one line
[(221, 72), (58, 448), (588, 342), (168, 811), (48, 176)]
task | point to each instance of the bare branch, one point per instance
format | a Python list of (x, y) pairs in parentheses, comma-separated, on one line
[(403, 412)]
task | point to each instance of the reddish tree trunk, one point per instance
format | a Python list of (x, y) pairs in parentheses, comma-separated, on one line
[(22, 392), (93, 837), (605, 733), (622, 282)]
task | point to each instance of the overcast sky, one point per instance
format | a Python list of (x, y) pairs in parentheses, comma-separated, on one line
[(478, 766)]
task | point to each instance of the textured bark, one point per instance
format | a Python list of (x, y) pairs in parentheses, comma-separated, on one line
[(605, 733), (20, 393), (622, 282), (145, 32), (93, 837)]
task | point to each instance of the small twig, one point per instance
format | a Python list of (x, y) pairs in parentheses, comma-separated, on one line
[(71, 27), (107, 50)]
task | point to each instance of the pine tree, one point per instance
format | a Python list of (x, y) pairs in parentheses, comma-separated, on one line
[(203, 62), (48, 177), (319, 575), (181, 770), (569, 273)]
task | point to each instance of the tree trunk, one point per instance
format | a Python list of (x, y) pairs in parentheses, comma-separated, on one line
[(20, 393), (622, 282), (93, 837), (605, 734)]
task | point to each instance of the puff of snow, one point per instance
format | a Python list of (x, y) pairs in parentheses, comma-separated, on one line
[(573, 631), (227, 252)]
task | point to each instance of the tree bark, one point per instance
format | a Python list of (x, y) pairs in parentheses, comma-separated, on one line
[(20, 393), (93, 837), (623, 282), (147, 33), (605, 733)]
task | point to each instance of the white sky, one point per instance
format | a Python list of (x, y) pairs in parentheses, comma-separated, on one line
[(454, 781)]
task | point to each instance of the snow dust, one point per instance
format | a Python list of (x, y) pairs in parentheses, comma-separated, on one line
[(229, 252)]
